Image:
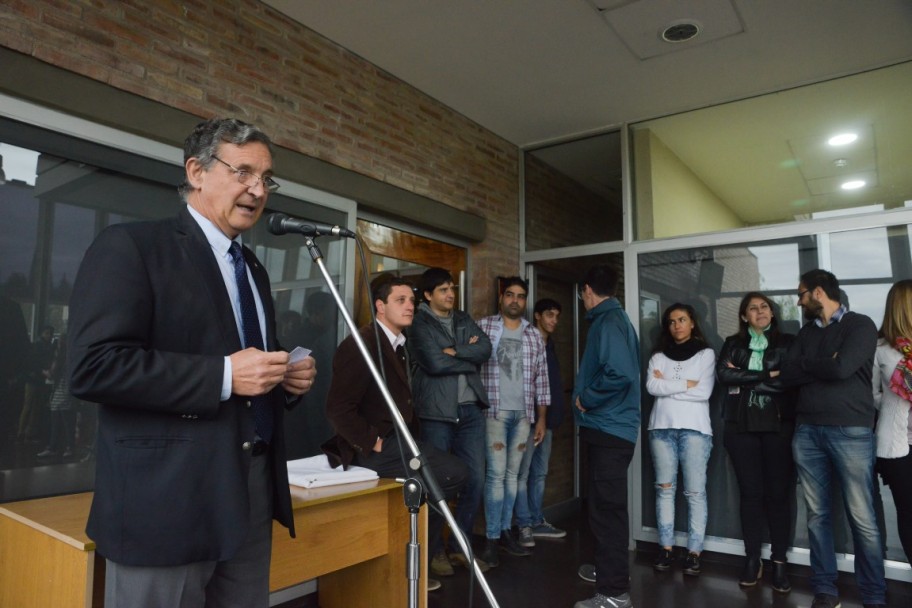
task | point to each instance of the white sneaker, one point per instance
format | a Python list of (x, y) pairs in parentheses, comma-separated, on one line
[(603, 601)]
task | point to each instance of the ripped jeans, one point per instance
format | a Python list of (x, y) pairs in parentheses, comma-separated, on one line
[(691, 449), (505, 441)]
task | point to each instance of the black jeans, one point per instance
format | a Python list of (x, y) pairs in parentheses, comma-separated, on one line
[(609, 457), (765, 470), (897, 474), (449, 471)]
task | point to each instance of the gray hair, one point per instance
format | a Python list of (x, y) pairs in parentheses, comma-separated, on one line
[(203, 143)]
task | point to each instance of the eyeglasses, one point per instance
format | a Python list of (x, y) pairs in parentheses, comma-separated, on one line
[(249, 179), (802, 292)]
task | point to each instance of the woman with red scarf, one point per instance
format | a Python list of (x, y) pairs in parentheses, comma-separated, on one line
[(892, 379)]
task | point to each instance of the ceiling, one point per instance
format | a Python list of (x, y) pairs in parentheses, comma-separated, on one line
[(544, 71)]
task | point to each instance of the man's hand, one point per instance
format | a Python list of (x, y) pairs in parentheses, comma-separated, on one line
[(378, 445), (299, 377), (579, 405), (539, 430), (449, 350), (254, 372), (473, 339)]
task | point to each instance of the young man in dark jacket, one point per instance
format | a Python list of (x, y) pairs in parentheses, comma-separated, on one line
[(447, 348)]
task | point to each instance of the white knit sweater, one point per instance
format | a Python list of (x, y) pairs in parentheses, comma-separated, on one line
[(893, 433), (676, 406)]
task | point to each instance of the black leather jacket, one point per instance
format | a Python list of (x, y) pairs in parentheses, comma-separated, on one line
[(736, 351)]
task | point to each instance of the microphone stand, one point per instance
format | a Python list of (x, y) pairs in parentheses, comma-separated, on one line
[(417, 463)]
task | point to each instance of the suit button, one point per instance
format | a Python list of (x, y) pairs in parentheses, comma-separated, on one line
[(248, 403), (246, 446)]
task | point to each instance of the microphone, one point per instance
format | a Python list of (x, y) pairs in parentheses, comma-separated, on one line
[(279, 223)]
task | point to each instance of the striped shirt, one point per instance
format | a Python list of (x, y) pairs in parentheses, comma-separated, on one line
[(536, 389)]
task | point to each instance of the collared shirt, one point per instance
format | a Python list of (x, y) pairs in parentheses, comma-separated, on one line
[(836, 318), (220, 245), (534, 364), (396, 340)]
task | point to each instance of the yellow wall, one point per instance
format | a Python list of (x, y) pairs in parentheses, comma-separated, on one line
[(671, 200)]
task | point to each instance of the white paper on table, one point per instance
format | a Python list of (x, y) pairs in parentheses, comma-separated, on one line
[(315, 472)]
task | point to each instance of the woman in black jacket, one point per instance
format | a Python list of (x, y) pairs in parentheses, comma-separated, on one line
[(759, 424)]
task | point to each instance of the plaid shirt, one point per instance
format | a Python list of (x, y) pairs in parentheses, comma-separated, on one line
[(535, 367)]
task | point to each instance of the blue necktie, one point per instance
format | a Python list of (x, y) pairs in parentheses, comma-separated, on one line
[(262, 412)]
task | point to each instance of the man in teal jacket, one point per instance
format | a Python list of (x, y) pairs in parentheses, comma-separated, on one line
[(606, 396)]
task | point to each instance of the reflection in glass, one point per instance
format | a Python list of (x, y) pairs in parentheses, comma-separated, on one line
[(573, 193), (767, 160), (713, 280)]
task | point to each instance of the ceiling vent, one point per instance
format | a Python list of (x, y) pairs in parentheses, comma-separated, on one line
[(681, 32)]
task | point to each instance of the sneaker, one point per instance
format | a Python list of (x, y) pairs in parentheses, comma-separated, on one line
[(525, 537), (46, 453), (440, 564), (434, 584), (489, 554), (664, 560), (458, 559), (509, 545), (67, 453), (603, 601), (825, 600), (546, 530), (692, 564), (587, 572)]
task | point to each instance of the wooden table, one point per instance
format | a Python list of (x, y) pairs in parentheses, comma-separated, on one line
[(351, 537)]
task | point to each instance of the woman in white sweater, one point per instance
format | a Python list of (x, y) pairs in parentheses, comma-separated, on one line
[(892, 384), (681, 375)]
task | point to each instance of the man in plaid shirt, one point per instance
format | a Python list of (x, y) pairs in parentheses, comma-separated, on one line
[(516, 379)]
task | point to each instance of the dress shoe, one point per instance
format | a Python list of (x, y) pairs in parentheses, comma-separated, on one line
[(752, 571), (780, 578)]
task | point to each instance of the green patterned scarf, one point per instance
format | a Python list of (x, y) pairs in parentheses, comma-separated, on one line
[(758, 344)]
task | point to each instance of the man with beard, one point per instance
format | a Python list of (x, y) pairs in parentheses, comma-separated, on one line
[(516, 379), (830, 362)]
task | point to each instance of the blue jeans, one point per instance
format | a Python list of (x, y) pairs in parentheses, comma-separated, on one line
[(847, 451), (464, 439), (691, 449), (531, 483), (506, 438)]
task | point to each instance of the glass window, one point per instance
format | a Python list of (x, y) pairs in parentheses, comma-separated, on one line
[(57, 193), (573, 193), (713, 280), (834, 148)]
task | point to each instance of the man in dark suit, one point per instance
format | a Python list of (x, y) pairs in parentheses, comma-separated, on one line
[(168, 337), (365, 431)]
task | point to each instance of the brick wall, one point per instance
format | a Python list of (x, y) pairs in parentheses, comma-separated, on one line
[(242, 58)]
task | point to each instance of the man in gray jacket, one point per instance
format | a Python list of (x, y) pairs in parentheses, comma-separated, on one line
[(447, 348)]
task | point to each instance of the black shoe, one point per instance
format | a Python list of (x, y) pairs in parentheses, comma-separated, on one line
[(825, 600), (752, 572), (692, 564), (664, 560), (780, 578), (509, 545), (489, 554)]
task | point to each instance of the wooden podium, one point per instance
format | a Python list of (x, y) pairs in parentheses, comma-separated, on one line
[(352, 537)]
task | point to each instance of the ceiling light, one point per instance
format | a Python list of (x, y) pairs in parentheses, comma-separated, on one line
[(681, 31), (842, 139), (855, 184), (841, 162)]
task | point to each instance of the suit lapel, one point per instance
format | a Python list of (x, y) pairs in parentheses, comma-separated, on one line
[(199, 252)]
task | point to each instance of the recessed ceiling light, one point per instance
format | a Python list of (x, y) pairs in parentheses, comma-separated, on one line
[(842, 139), (681, 31), (855, 184), (841, 162)]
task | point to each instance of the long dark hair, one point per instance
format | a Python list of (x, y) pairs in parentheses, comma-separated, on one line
[(665, 340), (773, 332)]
